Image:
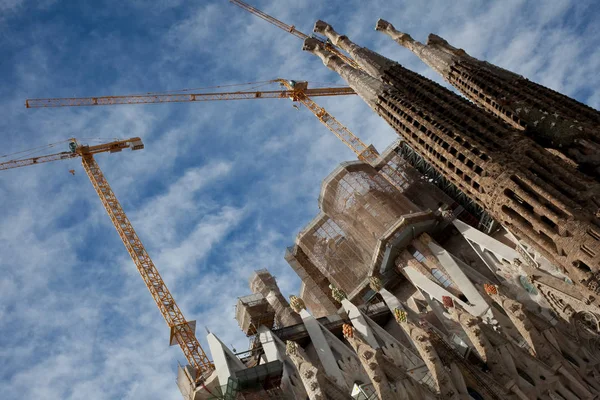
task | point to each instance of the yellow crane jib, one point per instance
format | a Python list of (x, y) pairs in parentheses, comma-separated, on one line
[(182, 332)]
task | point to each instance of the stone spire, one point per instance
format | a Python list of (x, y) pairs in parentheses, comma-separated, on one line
[(317, 384), (538, 345), (441, 61), (556, 121), (363, 84), (425, 348), (371, 62), (471, 326)]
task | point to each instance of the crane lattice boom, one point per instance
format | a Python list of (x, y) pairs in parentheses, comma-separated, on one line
[(181, 330), (291, 29), (182, 97), (296, 91), (37, 160)]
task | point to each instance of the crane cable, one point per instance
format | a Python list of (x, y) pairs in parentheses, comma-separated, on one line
[(29, 152), (257, 85)]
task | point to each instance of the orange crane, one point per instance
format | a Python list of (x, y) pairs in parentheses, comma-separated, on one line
[(292, 29), (297, 91), (291, 93), (182, 331)]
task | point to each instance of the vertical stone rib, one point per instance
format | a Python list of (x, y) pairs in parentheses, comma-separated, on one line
[(373, 63), (372, 362)]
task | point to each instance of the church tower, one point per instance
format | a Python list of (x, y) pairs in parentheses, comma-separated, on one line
[(552, 119), (537, 195)]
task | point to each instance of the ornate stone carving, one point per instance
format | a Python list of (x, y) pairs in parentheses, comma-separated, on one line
[(425, 348), (525, 257), (371, 362), (593, 283), (317, 384), (338, 294), (308, 372), (516, 313), (472, 327), (297, 304), (375, 283)]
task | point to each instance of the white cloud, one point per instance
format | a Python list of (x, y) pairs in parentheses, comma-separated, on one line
[(220, 189)]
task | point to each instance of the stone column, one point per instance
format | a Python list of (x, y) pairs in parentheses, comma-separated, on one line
[(427, 352), (371, 362), (316, 383)]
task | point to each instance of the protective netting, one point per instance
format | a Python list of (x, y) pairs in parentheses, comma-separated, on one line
[(343, 261), (253, 311), (315, 303), (264, 283), (419, 188), (363, 203), (315, 289)]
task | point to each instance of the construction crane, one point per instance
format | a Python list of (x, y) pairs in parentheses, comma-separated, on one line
[(182, 331), (185, 97), (292, 29), (297, 91)]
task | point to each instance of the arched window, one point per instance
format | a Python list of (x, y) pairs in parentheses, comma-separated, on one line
[(441, 277), (570, 358), (474, 394), (525, 376)]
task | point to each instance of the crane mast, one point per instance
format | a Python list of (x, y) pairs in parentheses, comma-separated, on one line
[(182, 332), (368, 154)]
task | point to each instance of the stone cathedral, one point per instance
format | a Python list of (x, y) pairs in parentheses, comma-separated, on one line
[(402, 296)]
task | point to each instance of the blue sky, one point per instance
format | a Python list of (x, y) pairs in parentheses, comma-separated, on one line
[(221, 188)]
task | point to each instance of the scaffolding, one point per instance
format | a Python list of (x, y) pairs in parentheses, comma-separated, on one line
[(315, 289), (479, 218), (362, 202), (264, 283), (253, 311), (338, 257)]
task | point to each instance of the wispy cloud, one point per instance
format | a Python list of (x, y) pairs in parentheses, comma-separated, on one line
[(221, 188)]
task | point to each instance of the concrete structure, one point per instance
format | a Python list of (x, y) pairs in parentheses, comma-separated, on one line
[(407, 301), (464, 315), (254, 311), (537, 195), (552, 119), (264, 283), (363, 222)]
